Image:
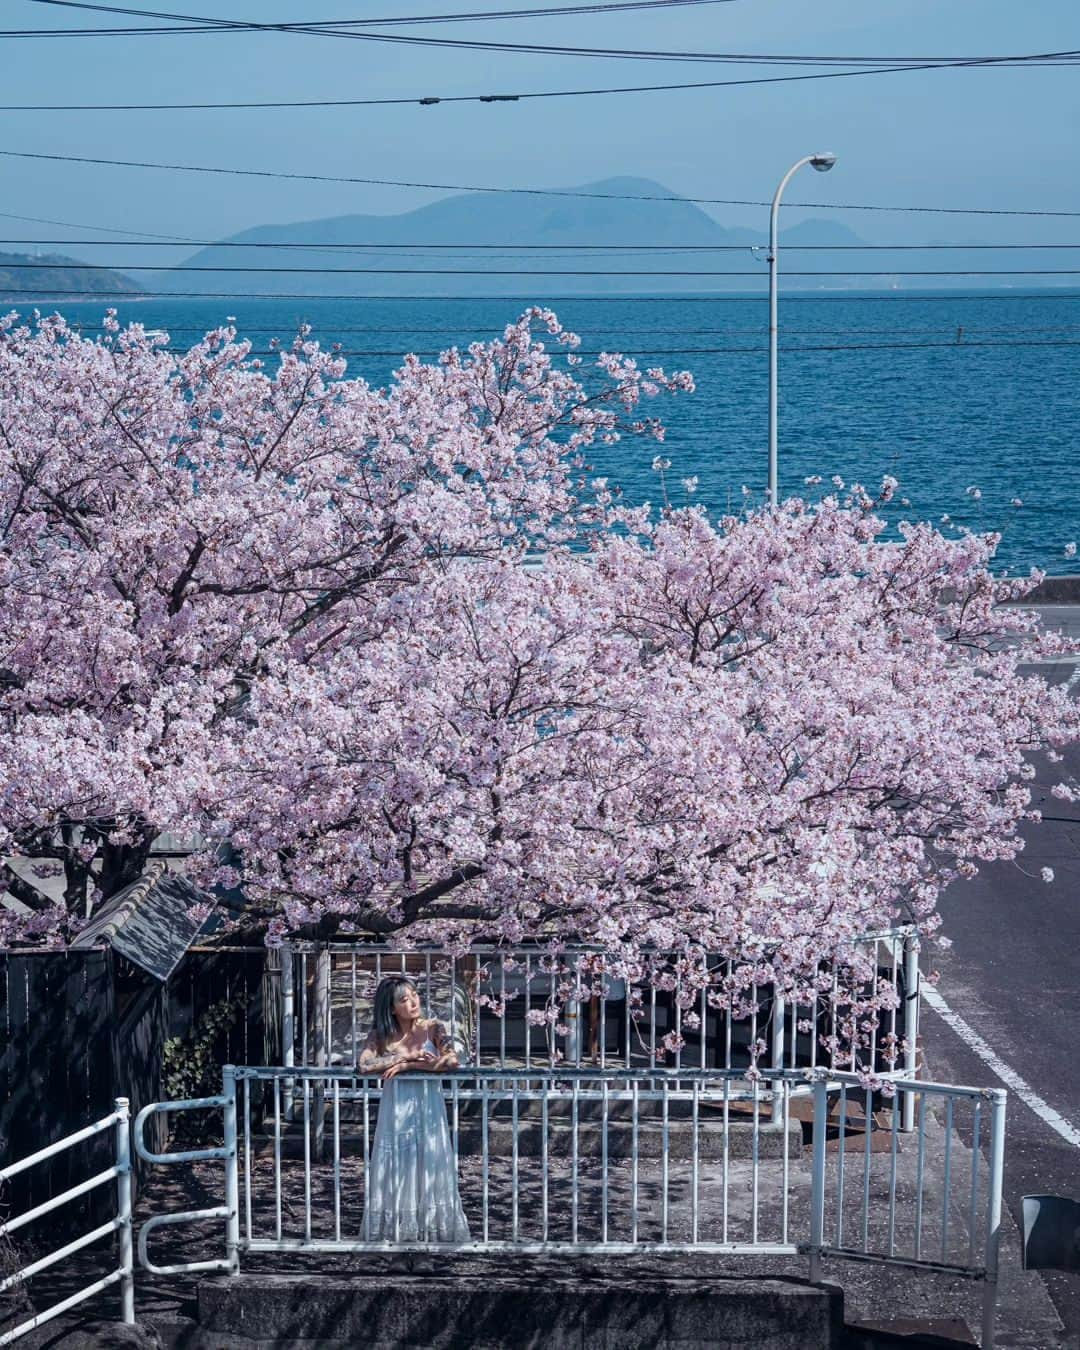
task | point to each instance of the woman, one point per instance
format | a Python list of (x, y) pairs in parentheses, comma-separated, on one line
[(411, 1182)]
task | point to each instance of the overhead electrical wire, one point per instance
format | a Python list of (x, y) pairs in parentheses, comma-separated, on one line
[(1013, 62), (524, 191), (532, 248), (330, 26), (1068, 57), (816, 297), (72, 266)]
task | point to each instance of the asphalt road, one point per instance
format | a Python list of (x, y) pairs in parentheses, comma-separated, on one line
[(1013, 975)]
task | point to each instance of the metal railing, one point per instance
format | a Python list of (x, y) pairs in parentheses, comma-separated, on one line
[(122, 1273), (495, 1000), (614, 1160)]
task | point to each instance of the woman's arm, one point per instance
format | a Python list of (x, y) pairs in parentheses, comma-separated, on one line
[(371, 1061), (446, 1056)]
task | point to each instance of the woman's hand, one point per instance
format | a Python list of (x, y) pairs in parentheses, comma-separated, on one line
[(412, 1059)]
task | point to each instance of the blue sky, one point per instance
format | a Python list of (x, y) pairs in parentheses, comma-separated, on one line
[(984, 137)]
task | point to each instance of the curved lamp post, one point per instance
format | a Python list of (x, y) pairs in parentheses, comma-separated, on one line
[(822, 163)]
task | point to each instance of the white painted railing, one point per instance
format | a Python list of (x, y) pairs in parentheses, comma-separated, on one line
[(327, 989), (122, 1272), (614, 1160)]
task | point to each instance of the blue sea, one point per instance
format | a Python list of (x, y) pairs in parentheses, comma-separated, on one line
[(944, 391)]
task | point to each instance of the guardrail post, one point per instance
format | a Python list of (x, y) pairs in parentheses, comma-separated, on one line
[(817, 1178), (322, 1047), (993, 1214), (779, 1036), (288, 1022), (232, 1172), (912, 1001), (123, 1210)]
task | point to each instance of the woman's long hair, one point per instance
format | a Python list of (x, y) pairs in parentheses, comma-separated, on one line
[(385, 996)]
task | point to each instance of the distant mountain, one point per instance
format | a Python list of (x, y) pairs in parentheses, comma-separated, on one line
[(395, 255), (25, 277), (507, 220)]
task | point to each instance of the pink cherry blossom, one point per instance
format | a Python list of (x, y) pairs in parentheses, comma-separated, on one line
[(411, 672)]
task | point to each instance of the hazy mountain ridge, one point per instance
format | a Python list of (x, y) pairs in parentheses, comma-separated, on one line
[(63, 275), (489, 218), (618, 214)]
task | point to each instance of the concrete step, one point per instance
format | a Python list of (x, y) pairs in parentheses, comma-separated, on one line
[(518, 1311)]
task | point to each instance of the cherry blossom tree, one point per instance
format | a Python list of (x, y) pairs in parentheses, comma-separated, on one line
[(177, 527), (424, 678)]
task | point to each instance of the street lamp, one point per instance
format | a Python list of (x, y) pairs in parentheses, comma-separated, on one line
[(823, 163)]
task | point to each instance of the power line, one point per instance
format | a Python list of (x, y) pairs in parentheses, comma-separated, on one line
[(623, 53), (344, 25), (522, 191), (512, 249), (427, 100), (876, 297), (535, 272)]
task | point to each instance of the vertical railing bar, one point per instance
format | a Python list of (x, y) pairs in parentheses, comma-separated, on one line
[(485, 1201), (303, 1009), (337, 1160), (627, 1027), (726, 1146), (678, 1023), (122, 1145), (704, 1015), (894, 947), (868, 1126), (896, 1110), (695, 1164), (603, 1019), (753, 1026), (367, 1138), (528, 1006), (834, 1025), (579, 1019), (993, 1215), (842, 1140), (729, 1030), (428, 992), (502, 1006), (665, 1143), (455, 1100), (247, 1158), (307, 1159), (919, 1172), (976, 1129), (476, 1008), (652, 1025), (277, 1159), (452, 964), (352, 1004), (755, 1156), (785, 1088), (817, 1178), (514, 1157), (634, 1165), (912, 995), (604, 1164), (574, 1162), (946, 1182), (544, 1089)]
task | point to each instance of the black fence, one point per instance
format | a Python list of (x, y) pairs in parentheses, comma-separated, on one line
[(80, 1028)]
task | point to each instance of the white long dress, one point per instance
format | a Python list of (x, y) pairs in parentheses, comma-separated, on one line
[(411, 1189)]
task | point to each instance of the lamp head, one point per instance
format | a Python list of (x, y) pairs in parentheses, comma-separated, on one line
[(823, 162)]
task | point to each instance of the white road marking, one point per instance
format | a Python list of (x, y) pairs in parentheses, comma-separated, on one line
[(1009, 1077)]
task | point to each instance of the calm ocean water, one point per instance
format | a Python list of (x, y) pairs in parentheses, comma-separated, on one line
[(943, 391)]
